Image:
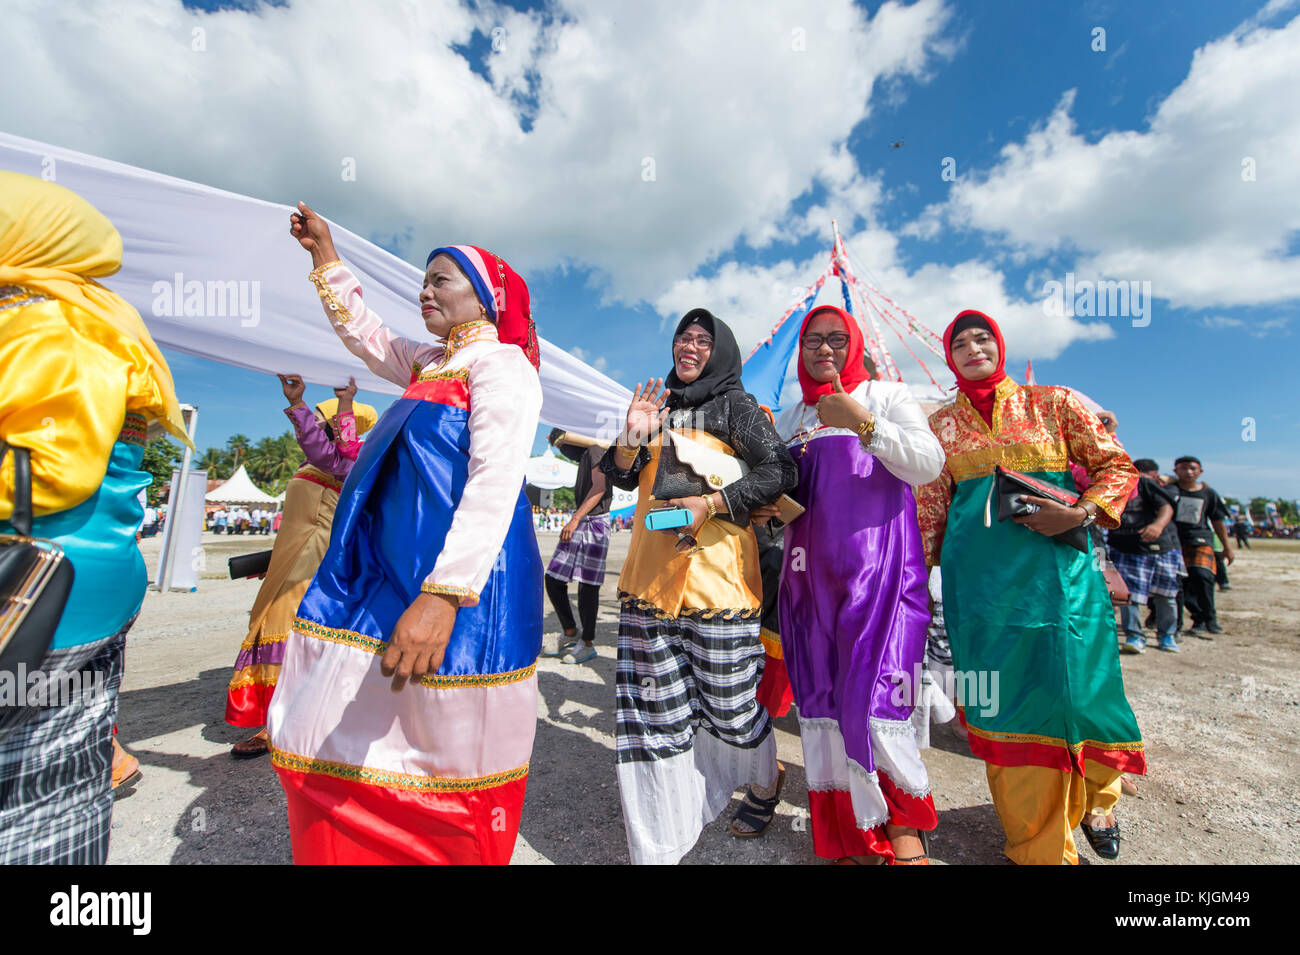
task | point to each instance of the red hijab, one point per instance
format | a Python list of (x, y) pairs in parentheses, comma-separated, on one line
[(854, 372), (979, 393)]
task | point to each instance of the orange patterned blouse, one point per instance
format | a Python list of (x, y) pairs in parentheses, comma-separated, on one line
[(1036, 428)]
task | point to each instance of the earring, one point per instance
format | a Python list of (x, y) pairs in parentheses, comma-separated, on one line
[(482, 312)]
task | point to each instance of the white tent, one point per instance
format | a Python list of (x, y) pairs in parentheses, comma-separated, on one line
[(240, 489), (216, 274), (546, 471)]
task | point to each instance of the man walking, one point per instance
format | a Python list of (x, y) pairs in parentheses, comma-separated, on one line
[(1199, 514), (1145, 551)]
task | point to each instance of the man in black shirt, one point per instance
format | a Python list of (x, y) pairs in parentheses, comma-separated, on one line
[(1145, 551), (1199, 514), (580, 554)]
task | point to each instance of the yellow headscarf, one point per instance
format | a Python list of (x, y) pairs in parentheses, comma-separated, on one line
[(56, 242), (364, 415)]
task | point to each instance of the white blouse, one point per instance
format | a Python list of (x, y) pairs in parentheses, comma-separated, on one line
[(902, 441), (505, 398)]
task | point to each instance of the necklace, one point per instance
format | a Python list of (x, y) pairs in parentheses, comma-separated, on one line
[(806, 436)]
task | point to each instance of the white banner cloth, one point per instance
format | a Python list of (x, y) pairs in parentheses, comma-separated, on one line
[(216, 274)]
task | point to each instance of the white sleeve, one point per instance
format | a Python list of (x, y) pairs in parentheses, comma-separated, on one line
[(505, 398), (362, 332), (788, 423), (903, 440)]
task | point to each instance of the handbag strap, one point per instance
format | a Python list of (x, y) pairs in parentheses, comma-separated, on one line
[(21, 518)]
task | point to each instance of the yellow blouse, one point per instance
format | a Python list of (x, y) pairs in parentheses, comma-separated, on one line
[(721, 577), (64, 396)]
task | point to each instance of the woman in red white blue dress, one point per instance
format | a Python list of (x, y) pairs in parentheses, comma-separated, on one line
[(403, 720)]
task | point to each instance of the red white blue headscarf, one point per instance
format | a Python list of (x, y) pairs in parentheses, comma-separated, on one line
[(502, 292)]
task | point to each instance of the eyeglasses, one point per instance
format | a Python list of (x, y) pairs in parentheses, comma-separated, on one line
[(699, 341), (837, 341)]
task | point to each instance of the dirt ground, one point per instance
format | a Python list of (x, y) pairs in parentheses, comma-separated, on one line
[(1221, 722)]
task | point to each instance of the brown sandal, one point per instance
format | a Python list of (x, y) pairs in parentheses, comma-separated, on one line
[(251, 748)]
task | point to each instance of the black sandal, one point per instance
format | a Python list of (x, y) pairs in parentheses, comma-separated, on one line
[(755, 812)]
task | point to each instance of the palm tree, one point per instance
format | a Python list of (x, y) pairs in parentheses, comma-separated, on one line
[(216, 462), (237, 445), (272, 461)]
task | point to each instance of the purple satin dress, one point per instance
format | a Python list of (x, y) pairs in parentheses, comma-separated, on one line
[(853, 601)]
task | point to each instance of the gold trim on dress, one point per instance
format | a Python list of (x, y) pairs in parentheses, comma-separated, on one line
[(251, 642), (391, 780), (434, 681), (1039, 456), (1075, 748), (450, 374), (326, 293), (445, 590), (647, 607)]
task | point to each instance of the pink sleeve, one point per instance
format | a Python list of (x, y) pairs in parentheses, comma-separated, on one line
[(1081, 479), (362, 332), (505, 400), (345, 435)]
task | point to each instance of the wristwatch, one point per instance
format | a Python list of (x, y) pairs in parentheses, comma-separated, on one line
[(1088, 516)]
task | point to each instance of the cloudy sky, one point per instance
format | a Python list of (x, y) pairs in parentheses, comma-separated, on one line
[(634, 160)]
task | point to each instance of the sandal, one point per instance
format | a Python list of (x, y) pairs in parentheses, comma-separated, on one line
[(924, 857), (252, 747), (125, 767), (755, 812)]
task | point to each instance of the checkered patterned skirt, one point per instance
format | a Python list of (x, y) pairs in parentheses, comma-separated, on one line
[(582, 557), (56, 757), (690, 729), (1148, 574)]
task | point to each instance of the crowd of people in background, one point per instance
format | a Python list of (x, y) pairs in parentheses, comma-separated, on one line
[(241, 520)]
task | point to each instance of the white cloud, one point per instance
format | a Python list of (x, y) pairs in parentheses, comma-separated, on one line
[(543, 159), (1254, 327), (1201, 204), (752, 297)]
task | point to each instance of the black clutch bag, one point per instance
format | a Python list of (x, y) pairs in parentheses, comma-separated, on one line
[(249, 565), (1010, 485), (35, 578)]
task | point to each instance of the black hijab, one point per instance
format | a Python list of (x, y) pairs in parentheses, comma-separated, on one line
[(721, 373)]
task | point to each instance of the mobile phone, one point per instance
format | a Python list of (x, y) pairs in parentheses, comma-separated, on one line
[(668, 518)]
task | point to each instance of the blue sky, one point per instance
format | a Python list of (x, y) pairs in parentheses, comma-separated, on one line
[(526, 128)]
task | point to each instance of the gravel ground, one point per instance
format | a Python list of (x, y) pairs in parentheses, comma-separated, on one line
[(1221, 723)]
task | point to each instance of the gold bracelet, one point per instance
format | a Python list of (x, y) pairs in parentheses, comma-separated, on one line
[(867, 430), (713, 508)]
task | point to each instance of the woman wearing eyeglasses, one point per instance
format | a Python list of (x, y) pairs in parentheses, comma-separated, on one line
[(853, 600), (690, 729)]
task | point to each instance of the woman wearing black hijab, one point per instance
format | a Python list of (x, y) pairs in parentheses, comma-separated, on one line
[(689, 655)]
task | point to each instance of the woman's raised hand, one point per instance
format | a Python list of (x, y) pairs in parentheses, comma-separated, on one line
[(293, 386), (647, 411), (348, 391), (313, 234)]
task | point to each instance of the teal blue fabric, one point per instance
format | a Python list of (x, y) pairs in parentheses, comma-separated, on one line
[(98, 537)]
